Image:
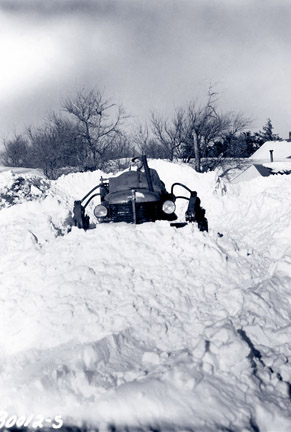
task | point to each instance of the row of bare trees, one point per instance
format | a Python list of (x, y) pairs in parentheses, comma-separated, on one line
[(193, 132), (90, 130), (87, 134)]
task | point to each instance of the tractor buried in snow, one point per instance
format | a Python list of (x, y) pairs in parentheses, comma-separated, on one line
[(137, 197)]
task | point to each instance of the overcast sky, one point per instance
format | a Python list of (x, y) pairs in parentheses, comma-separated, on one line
[(147, 54)]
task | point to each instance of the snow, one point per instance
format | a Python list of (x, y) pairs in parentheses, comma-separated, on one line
[(281, 150), (261, 160), (148, 325)]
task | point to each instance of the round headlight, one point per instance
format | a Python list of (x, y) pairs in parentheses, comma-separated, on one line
[(169, 207), (100, 211)]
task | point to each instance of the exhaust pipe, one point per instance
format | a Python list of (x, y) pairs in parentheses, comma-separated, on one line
[(271, 156)]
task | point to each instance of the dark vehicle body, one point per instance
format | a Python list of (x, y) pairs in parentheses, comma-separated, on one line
[(137, 197)]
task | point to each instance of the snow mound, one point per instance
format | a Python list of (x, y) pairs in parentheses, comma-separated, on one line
[(16, 189), (149, 326)]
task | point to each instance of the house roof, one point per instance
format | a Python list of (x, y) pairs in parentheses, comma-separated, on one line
[(281, 151), (251, 172)]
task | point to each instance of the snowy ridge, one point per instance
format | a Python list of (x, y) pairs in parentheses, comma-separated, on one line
[(149, 325)]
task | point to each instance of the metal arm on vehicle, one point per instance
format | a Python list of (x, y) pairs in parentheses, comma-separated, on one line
[(92, 190), (194, 212), (80, 218), (179, 184)]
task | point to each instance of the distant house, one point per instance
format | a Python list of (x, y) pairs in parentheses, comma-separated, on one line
[(273, 157), (281, 151)]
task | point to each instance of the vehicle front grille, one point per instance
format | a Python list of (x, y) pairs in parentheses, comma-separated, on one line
[(145, 212)]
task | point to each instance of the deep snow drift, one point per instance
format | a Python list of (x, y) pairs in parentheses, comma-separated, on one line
[(148, 325)]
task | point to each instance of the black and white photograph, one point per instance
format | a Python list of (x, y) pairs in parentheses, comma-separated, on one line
[(145, 215)]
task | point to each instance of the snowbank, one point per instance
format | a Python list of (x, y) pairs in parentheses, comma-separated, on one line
[(150, 325)]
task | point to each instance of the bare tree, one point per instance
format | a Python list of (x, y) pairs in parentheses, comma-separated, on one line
[(55, 145), (170, 134), (45, 151), (70, 145), (16, 152), (140, 137), (231, 142), (99, 122), (144, 142), (204, 125)]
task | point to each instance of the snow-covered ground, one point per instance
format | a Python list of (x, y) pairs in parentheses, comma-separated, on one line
[(148, 325)]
